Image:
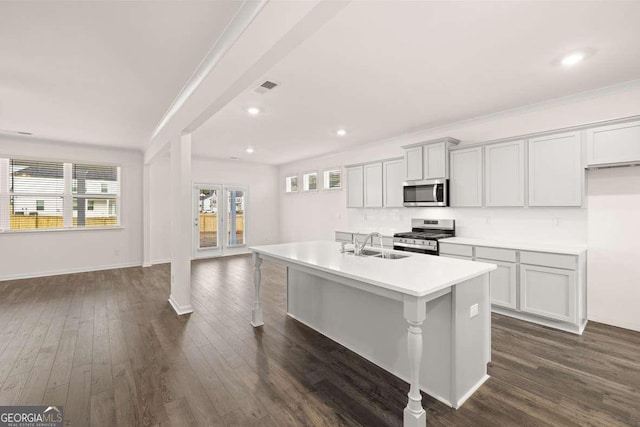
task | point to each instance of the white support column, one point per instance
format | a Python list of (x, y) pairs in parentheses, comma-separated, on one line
[(146, 216), (256, 314), (415, 313), (180, 203)]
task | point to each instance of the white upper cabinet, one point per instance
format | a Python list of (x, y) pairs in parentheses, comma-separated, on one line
[(614, 144), (465, 186), (393, 176), (373, 185), (428, 160), (413, 163), (434, 161), (556, 172), (504, 174), (355, 187)]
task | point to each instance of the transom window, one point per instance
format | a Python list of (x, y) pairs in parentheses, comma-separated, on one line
[(291, 184), (310, 181), (332, 179)]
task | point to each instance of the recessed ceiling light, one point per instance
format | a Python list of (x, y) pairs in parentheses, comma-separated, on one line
[(249, 150), (572, 59), (341, 132), (23, 133), (253, 110)]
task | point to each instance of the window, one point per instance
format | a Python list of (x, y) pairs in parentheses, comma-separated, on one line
[(310, 181), (36, 191), (47, 195), (95, 191), (291, 184), (332, 179)]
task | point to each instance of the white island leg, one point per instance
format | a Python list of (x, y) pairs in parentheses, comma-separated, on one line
[(414, 313), (256, 314)]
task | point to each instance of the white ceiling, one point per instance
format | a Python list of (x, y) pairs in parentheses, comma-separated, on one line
[(100, 72), (384, 68)]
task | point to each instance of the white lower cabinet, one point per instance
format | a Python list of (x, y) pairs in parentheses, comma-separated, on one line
[(548, 292), (541, 287), (456, 257), (504, 283)]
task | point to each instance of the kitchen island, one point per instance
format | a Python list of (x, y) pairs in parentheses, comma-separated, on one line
[(365, 302)]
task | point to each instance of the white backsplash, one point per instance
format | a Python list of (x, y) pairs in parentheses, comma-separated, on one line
[(544, 225)]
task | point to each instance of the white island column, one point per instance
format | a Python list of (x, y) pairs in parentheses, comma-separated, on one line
[(415, 311), (256, 314)]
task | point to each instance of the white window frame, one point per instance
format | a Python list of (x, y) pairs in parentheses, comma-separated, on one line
[(305, 181), (286, 183), (67, 195), (325, 178)]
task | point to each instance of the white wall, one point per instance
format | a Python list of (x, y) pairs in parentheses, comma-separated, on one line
[(614, 246), (262, 203), (318, 215), (41, 253)]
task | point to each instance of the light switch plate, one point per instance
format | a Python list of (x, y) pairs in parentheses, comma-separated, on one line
[(473, 311)]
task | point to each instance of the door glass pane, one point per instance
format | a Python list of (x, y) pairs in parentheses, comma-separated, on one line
[(235, 220), (208, 220)]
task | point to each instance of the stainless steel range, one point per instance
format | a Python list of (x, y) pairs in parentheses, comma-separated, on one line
[(424, 235)]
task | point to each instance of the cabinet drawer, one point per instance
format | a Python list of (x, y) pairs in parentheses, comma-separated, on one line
[(456, 257), (496, 254), (341, 236), (453, 249), (568, 262)]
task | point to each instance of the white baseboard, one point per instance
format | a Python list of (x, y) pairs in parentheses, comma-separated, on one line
[(563, 326), (180, 310), (471, 391), (161, 261), (69, 271)]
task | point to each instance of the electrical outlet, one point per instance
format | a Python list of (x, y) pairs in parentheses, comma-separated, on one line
[(556, 222), (116, 252), (473, 311)]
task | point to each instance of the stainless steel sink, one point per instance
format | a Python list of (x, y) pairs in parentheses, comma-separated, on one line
[(377, 254), (390, 256), (369, 252)]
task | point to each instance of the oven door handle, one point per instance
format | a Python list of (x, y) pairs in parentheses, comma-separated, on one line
[(408, 245)]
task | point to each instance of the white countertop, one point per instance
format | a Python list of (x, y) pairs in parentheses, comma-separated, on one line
[(569, 249), (418, 275)]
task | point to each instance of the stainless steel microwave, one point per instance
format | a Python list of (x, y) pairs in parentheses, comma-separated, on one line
[(426, 193)]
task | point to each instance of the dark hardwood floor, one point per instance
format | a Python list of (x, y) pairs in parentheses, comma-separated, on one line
[(108, 347)]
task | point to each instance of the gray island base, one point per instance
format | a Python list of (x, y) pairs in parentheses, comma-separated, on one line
[(423, 318)]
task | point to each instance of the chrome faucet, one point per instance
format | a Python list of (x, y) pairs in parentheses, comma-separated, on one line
[(359, 247)]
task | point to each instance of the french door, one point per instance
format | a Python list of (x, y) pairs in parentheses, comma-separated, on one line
[(219, 220)]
